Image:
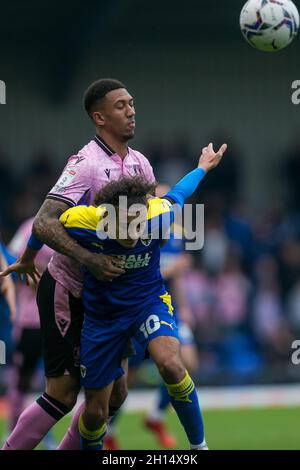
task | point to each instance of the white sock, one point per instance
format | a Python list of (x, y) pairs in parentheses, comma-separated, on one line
[(202, 446), (110, 431)]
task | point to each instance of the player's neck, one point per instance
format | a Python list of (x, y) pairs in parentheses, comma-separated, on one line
[(119, 147)]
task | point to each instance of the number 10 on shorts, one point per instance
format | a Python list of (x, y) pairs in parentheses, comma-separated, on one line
[(151, 325)]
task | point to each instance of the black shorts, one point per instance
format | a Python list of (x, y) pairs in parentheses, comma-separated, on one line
[(61, 316), (28, 351)]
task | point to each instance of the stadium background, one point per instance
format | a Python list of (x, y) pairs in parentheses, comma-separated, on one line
[(194, 80)]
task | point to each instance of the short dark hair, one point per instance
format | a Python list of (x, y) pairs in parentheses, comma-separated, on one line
[(97, 90), (135, 188)]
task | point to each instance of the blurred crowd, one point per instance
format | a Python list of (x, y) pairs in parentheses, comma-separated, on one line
[(243, 289)]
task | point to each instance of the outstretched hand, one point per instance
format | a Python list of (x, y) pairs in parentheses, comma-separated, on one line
[(26, 271), (209, 159)]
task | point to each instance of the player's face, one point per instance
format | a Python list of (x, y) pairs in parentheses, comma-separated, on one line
[(129, 228), (118, 114)]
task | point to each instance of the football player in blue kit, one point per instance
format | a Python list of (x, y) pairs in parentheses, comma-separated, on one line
[(137, 304)]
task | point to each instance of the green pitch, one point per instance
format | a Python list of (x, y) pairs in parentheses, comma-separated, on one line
[(225, 429)]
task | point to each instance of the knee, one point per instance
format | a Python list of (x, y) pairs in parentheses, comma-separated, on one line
[(96, 409), (171, 368)]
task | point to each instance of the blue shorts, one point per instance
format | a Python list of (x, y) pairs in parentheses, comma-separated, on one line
[(103, 341), (185, 336)]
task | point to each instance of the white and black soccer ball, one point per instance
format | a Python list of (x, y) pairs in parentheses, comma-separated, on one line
[(269, 25)]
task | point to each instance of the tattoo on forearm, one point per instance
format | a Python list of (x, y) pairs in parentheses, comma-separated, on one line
[(49, 230)]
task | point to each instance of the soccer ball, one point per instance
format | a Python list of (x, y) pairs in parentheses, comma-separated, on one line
[(269, 25)]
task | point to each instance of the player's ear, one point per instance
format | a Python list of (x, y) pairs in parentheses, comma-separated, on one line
[(98, 118)]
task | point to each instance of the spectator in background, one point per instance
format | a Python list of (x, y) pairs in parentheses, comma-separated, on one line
[(226, 183), (7, 287), (239, 232), (232, 293), (7, 303), (216, 243), (291, 169), (199, 292), (7, 180), (237, 356), (270, 327), (33, 186), (293, 308), (26, 332), (6, 174), (289, 263)]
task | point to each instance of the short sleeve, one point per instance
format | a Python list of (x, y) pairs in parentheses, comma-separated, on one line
[(74, 181), (160, 218), (81, 224)]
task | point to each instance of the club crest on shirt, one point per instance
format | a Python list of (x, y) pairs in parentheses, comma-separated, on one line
[(64, 181), (82, 371), (78, 160), (137, 170), (146, 241)]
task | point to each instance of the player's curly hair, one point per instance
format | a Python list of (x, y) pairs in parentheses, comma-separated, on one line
[(97, 90), (135, 188)]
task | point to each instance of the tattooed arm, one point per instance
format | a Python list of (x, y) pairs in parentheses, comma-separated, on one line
[(48, 229)]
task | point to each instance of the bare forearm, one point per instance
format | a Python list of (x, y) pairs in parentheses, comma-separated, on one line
[(53, 234), (49, 230)]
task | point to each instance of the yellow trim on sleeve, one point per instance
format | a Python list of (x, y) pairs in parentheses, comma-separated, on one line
[(80, 217), (157, 206)]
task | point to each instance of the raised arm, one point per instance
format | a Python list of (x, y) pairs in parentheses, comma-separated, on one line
[(159, 224), (189, 183)]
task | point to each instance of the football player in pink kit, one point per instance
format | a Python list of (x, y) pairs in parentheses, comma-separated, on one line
[(28, 347), (106, 157)]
